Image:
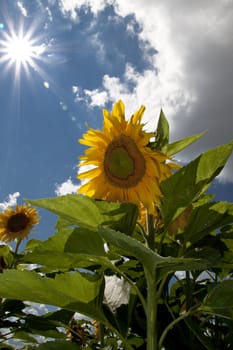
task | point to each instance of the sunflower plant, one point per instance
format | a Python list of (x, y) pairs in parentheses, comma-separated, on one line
[(141, 257)]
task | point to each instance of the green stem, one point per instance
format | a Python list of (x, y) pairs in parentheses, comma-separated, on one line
[(189, 290), (152, 305), (17, 245), (133, 285), (16, 252), (170, 326), (150, 231), (151, 312), (101, 334)]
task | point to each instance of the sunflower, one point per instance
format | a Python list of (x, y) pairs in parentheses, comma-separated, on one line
[(17, 223), (124, 168)]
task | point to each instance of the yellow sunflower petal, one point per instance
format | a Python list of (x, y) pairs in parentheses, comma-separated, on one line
[(118, 110), (136, 117), (17, 223), (89, 173), (125, 168)]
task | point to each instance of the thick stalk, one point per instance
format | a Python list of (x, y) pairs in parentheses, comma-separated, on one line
[(150, 231), (17, 245), (152, 336), (15, 253)]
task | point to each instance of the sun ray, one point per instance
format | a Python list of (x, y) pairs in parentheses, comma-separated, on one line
[(20, 50)]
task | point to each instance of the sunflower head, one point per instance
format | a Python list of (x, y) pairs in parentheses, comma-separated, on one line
[(124, 168), (17, 223)]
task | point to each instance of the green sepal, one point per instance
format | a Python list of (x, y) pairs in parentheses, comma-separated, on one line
[(161, 134), (177, 146)]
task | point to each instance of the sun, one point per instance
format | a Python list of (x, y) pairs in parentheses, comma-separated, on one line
[(21, 50)]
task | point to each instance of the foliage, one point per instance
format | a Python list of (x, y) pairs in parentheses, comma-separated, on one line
[(178, 273)]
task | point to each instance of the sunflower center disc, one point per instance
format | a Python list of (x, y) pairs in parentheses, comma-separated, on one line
[(124, 165), (17, 222)]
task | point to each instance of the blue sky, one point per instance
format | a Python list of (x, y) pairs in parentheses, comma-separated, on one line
[(86, 55)]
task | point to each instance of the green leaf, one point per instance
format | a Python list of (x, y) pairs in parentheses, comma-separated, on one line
[(25, 336), (162, 132), (130, 246), (59, 316), (85, 241), (71, 291), (6, 255), (208, 218), (177, 146), (67, 249), (6, 347), (86, 212), (11, 307), (207, 253), (187, 184), (220, 301), (148, 258), (32, 244), (58, 345), (198, 332), (58, 261)]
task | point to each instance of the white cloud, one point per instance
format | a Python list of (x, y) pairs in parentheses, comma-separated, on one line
[(191, 76), (75, 89), (35, 308), (226, 174), (68, 8), (194, 83), (66, 187), (10, 202), (72, 7), (97, 98), (93, 98)]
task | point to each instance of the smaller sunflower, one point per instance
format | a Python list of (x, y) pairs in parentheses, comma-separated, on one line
[(17, 223)]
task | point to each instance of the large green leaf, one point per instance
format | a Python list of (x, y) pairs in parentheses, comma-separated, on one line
[(86, 212), (220, 300), (208, 218), (6, 256), (73, 240), (67, 249), (47, 324), (84, 241), (71, 291), (132, 247), (149, 259), (59, 261), (177, 146), (185, 186)]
